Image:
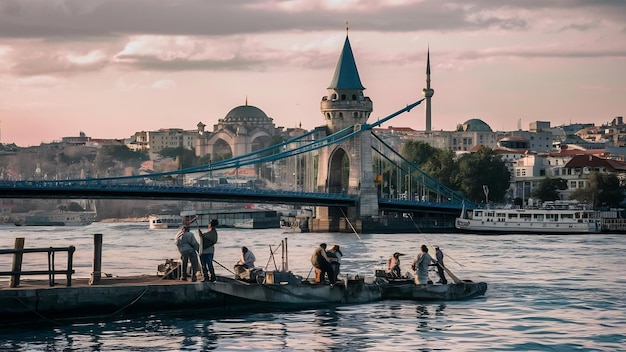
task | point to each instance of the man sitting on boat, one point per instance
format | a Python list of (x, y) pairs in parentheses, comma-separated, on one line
[(393, 266), (245, 264), (320, 261)]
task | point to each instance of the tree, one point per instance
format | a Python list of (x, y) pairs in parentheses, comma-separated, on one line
[(548, 189), (604, 190), (417, 152), (186, 158), (475, 170)]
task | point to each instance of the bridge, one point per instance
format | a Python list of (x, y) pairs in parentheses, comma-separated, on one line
[(351, 175)]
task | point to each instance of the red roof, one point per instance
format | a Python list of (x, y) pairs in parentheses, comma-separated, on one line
[(580, 161)]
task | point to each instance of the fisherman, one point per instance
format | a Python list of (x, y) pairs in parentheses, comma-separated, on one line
[(209, 239), (334, 257), (320, 262), (188, 247), (421, 264), (245, 264), (393, 266), (440, 266)]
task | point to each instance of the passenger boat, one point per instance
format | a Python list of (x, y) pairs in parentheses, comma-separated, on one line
[(559, 217), (159, 222), (58, 218)]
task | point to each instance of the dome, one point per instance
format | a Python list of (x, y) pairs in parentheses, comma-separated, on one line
[(474, 125), (246, 113)]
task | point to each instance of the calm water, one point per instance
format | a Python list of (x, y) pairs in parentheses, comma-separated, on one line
[(546, 293)]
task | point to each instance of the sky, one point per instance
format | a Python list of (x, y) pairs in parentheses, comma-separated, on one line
[(110, 68)]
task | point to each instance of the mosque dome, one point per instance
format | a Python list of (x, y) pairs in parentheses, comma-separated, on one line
[(246, 114), (474, 125)]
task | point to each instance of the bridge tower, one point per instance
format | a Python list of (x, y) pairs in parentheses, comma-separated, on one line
[(347, 167)]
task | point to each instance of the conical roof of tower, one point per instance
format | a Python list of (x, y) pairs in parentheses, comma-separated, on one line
[(346, 74)]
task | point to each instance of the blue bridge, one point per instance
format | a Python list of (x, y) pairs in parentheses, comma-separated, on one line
[(355, 180)]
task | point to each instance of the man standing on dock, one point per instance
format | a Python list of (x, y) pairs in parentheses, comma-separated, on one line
[(188, 247), (209, 239)]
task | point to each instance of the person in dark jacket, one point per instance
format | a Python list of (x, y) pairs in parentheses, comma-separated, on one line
[(440, 266), (334, 257), (320, 261), (209, 239)]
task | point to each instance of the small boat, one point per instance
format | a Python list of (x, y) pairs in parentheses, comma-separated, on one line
[(559, 217), (407, 289), (292, 290), (58, 218), (284, 288), (248, 224), (159, 222)]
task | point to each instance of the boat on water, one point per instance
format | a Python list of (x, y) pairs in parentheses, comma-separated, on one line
[(58, 218), (248, 224), (558, 217), (165, 221), (284, 288)]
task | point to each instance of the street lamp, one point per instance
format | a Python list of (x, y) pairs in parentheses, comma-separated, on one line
[(486, 190)]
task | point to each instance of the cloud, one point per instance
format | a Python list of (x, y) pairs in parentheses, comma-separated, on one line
[(71, 19), (164, 84)]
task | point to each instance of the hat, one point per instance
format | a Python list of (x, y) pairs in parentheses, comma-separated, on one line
[(397, 254)]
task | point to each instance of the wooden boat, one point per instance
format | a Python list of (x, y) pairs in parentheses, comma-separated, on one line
[(287, 289), (560, 217), (407, 289), (291, 290)]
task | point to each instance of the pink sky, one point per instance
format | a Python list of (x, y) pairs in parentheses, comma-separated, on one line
[(111, 68)]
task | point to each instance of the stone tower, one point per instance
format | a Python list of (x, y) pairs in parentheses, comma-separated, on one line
[(345, 106)]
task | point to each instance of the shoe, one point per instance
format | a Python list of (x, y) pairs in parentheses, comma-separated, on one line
[(212, 279), (194, 279)]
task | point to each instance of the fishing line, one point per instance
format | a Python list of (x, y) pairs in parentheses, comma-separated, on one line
[(429, 244)]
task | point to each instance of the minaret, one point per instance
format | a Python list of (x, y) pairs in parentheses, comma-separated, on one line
[(428, 92)]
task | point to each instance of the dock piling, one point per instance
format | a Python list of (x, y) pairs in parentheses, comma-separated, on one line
[(17, 263), (97, 260)]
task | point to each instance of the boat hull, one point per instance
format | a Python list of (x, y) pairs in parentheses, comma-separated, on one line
[(356, 290), (408, 290), (300, 294)]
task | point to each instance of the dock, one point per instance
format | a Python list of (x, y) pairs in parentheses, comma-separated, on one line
[(34, 301)]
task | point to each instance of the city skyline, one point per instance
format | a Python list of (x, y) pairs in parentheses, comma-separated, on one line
[(112, 68)]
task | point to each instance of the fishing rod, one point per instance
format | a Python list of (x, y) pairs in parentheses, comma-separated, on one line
[(350, 223), (454, 277), (429, 244), (218, 263)]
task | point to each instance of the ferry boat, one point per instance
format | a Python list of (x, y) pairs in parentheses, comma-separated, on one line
[(59, 218), (558, 217), (159, 222)]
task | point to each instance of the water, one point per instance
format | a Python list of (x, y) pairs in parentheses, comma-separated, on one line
[(546, 293)]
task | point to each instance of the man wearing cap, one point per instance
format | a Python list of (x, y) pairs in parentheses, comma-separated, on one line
[(393, 265), (439, 262)]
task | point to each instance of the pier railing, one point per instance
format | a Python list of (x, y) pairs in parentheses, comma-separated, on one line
[(18, 253)]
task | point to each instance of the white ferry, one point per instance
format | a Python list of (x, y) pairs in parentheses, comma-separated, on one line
[(159, 222), (559, 217), (57, 218)]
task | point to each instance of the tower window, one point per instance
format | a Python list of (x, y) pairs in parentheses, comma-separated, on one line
[(341, 114), (343, 97), (356, 115), (328, 115), (353, 96), (334, 96)]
